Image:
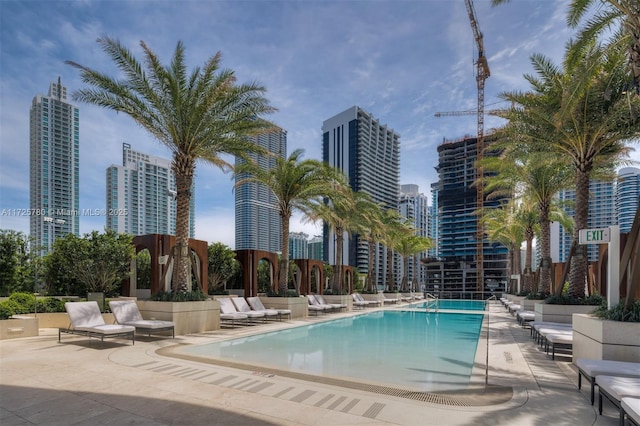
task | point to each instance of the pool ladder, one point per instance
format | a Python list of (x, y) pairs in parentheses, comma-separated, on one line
[(431, 298)]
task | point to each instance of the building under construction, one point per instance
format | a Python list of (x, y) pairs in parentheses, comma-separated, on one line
[(455, 270)]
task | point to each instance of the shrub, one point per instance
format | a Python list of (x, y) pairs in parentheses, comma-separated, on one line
[(617, 313), (6, 309), (25, 302), (593, 300), (50, 304), (181, 296), (537, 296)]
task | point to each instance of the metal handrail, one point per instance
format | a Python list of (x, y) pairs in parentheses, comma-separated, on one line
[(429, 296)]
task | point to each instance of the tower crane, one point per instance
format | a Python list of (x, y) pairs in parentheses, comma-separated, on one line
[(482, 73)]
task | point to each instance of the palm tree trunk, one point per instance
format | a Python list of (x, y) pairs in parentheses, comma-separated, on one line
[(283, 278), (544, 283), (390, 275), (578, 273), (183, 168), (415, 273), (528, 277), (371, 276), (337, 277)]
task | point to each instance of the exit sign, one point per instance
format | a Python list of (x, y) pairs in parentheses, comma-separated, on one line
[(594, 236)]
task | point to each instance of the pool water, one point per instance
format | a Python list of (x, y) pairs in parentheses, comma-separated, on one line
[(449, 304), (420, 350)]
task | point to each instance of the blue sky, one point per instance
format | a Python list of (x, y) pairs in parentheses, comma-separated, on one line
[(401, 60)]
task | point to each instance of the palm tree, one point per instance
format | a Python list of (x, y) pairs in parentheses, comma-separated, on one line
[(580, 116), (367, 223), (409, 247), (533, 177), (395, 229), (297, 185), (623, 15), (198, 116), (338, 215), (502, 226)]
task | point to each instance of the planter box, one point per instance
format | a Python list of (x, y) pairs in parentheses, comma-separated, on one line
[(299, 306), (61, 319), (595, 338), (344, 299), (189, 317), (19, 326), (560, 313), (530, 305)]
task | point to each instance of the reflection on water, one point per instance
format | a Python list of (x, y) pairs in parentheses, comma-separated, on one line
[(427, 351)]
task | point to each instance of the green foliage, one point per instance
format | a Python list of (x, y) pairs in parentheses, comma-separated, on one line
[(50, 304), (223, 265), (566, 299), (7, 309), (19, 265), (180, 296), (617, 313), (288, 293), (96, 262), (537, 296), (25, 302), (143, 269)]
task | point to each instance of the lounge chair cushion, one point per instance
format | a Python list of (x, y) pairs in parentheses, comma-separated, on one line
[(615, 388), (631, 407), (590, 368), (126, 312), (86, 319)]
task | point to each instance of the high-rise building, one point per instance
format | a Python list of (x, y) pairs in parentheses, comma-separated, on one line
[(627, 197), (602, 214), (315, 247), (455, 270), (54, 167), (258, 223), (141, 195), (298, 245), (413, 205), (369, 154)]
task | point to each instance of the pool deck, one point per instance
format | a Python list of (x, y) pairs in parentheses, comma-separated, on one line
[(43, 382)]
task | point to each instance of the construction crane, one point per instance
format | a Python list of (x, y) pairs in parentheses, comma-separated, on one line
[(496, 112), (482, 73)]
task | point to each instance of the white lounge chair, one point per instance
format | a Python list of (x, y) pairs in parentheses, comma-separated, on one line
[(361, 304), (229, 314), (85, 319), (369, 302), (257, 305), (590, 368), (126, 312), (631, 408), (228, 307), (615, 388), (337, 306), (243, 307), (564, 339), (314, 306)]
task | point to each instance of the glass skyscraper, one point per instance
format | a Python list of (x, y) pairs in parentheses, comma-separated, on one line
[(54, 169), (141, 195), (627, 197), (258, 223), (368, 152)]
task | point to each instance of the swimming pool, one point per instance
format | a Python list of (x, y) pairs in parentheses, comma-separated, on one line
[(419, 350), (452, 304)]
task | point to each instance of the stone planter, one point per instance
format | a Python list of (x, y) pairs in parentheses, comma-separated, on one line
[(299, 306), (560, 313), (343, 299), (189, 317), (18, 326), (595, 338), (61, 319), (529, 304)]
